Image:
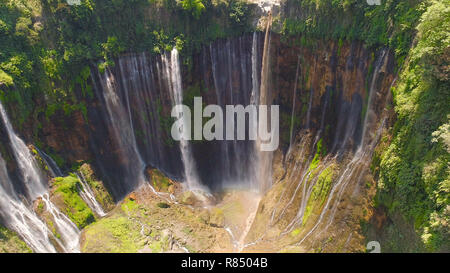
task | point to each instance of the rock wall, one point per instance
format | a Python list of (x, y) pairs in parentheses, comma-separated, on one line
[(331, 94)]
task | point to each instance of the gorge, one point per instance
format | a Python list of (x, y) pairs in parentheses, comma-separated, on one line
[(91, 165)]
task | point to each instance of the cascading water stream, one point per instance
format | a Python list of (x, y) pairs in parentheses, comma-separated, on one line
[(28, 168), (306, 194), (121, 127), (262, 160), (223, 146), (89, 197), (255, 79), (86, 192), (172, 69), (55, 171), (296, 171), (68, 231), (294, 98), (120, 119), (308, 112), (265, 158), (370, 116), (360, 159), (35, 187), (20, 218)]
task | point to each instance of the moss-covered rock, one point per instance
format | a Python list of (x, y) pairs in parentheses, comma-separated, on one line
[(10, 242), (65, 195), (159, 181), (113, 234), (319, 192), (188, 198), (39, 159), (140, 224), (121, 232), (41, 209), (101, 194)]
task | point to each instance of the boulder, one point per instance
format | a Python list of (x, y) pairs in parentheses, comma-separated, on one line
[(132, 196), (189, 198)]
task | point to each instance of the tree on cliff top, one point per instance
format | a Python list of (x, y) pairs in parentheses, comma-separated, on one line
[(195, 7)]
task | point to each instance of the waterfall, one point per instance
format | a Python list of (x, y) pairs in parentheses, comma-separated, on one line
[(86, 192), (263, 99), (220, 101), (360, 161), (308, 112), (89, 197), (220, 90), (265, 158), (172, 69), (294, 95), (34, 185), (311, 95), (31, 176), (235, 66), (370, 116), (255, 79), (255, 101), (121, 127), (55, 171), (135, 97), (20, 218), (66, 229)]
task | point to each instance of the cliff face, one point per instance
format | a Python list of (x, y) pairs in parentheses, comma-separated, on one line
[(323, 186), (334, 107), (331, 95)]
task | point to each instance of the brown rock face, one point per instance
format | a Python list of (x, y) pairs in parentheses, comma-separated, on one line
[(340, 113), (331, 97), (67, 136), (132, 196)]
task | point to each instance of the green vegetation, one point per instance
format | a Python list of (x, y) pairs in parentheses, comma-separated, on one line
[(40, 207), (295, 232), (5, 78), (18, 52), (320, 152), (319, 192), (390, 24), (123, 231), (119, 232), (101, 194), (49, 47), (67, 188), (46, 216), (195, 7), (39, 159), (129, 206), (414, 171), (159, 181), (113, 234), (11, 243)]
